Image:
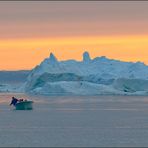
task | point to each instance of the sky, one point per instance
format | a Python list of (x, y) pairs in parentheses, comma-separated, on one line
[(31, 30)]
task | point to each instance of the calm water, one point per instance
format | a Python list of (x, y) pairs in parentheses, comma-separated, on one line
[(75, 121)]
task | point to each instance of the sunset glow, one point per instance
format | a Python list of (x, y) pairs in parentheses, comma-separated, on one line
[(25, 40)]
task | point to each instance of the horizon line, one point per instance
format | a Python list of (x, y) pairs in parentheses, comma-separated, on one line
[(11, 70)]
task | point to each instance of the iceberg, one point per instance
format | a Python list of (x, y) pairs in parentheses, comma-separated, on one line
[(97, 76)]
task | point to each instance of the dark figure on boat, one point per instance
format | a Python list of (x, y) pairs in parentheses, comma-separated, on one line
[(14, 101)]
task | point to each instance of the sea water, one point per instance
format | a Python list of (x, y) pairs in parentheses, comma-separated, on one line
[(75, 121)]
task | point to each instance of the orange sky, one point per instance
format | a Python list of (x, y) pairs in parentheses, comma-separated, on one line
[(27, 53), (29, 31)]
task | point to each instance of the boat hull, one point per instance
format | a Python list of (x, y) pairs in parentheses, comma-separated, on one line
[(25, 105)]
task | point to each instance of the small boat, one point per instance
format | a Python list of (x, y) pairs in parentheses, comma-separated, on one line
[(21, 104), (24, 105)]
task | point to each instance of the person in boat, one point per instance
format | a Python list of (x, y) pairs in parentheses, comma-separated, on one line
[(20, 100), (14, 101)]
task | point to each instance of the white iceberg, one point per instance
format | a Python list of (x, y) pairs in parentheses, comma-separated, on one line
[(97, 76)]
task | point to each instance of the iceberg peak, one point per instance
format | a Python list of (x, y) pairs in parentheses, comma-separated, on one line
[(86, 57), (52, 58)]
